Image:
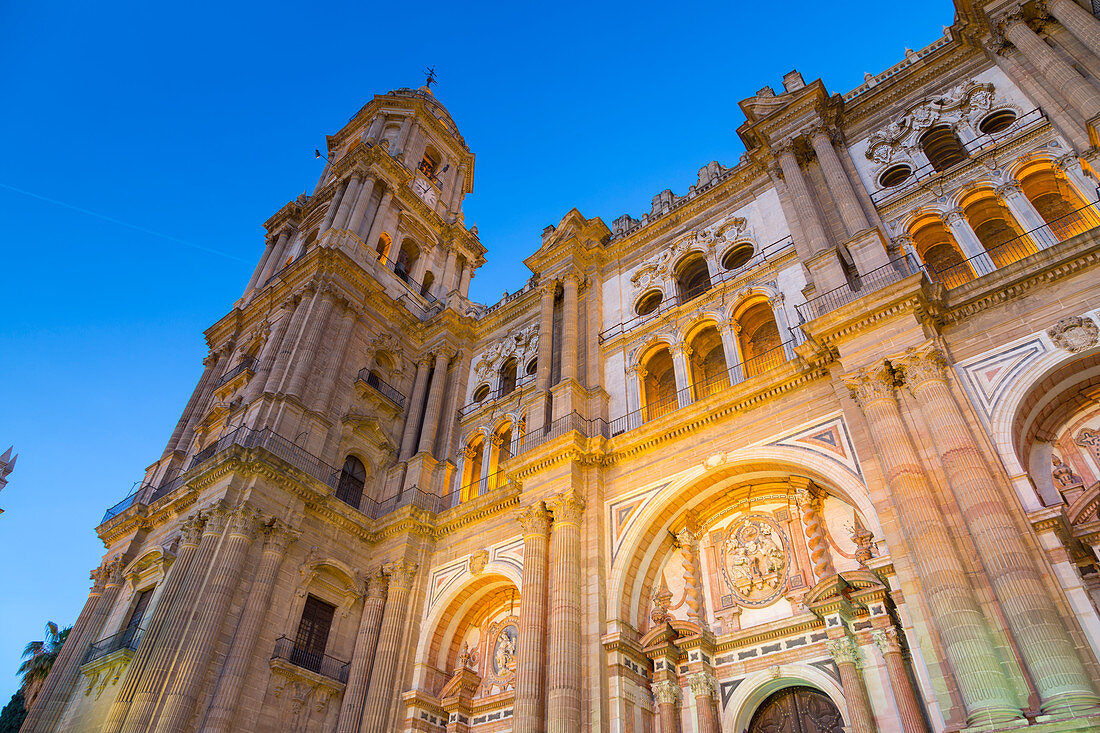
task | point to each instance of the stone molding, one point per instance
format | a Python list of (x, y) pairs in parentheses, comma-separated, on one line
[(535, 520), (401, 573), (887, 640)]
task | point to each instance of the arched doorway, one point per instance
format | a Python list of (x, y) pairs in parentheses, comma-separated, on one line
[(797, 710)]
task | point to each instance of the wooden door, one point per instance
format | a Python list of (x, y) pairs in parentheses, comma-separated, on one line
[(797, 710)]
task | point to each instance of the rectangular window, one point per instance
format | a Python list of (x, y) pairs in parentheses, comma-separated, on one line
[(312, 638), (138, 612)]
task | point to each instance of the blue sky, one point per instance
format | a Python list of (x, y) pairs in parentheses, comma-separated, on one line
[(146, 143)]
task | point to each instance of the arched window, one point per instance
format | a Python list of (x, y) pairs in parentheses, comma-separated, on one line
[(353, 477), (406, 259), (502, 451), (1056, 200), (532, 367), (481, 393), (426, 287), (996, 228), (709, 374), (761, 345), (429, 164), (508, 376), (692, 277), (658, 382), (383, 247), (942, 147), (649, 302), (474, 454), (939, 252)]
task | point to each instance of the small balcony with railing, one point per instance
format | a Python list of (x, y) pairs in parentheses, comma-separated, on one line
[(288, 653), (369, 378)]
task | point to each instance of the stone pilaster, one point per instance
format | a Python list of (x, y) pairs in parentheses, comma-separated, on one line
[(286, 344), (220, 719), (1043, 640), (306, 354), (380, 214), (987, 694), (347, 201), (530, 697), (336, 358), (380, 696), (1058, 74), (546, 330), (668, 696), (888, 642), (435, 401), (355, 220), (200, 395), (851, 213), (362, 659), (563, 678), (570, 325), (845, 653), (704, 688), (416, 406), (334, 205)]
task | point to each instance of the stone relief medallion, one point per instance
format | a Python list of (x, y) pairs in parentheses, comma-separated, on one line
[(755, 560), (1074, 334), (499, 642), (504, 651)]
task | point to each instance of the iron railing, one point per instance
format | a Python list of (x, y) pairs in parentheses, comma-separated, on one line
[(371, 379), (893, 271), (322, 664), (120, 507), (248, 362), (474, 489), (126, 639), (497, 394)]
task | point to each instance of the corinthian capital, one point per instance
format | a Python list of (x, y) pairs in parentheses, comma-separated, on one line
[(666, 692), (923, 364), (191, 532), (401, 573), (279, 537), (216, 518), (887, 640), (377, 583), (568, 508), (535, 520), (703, 685), (871, 384), (784, 147), (844, 650), (244, 521)]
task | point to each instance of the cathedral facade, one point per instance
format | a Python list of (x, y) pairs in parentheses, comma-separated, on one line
[(811, 447)]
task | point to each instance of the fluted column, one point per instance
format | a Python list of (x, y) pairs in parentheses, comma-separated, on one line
[(889, 644), (435, 402), (334, 206), (680, 354), (1042, 638), (840, 185), (267, 355), (704, 688), (530, 697), (270, 245), (286, 344), (305, 356), (228, 692), (569, 326), (1059, 74), (668, 696), (271, 264), (1025, 212), (811, 503), (688, 544), (197, 645), (728, 330), (563, 678), (824, 265), (845, 653), (380, 695), (986, 692), (1078, 21), (154, 627), (380, 214), (416, 407), (972, 247), (362, 201), (447, 282), (362, 659), (202, 390), (336, 358), (546, 334), (347, 202), (166, 645)]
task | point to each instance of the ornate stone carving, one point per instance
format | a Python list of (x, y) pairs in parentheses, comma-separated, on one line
[(377, 582), (535, 520), (755, 560), (662, 600), (1062, 474), (1090, 440), (865, 545), (522, 345), (887, 640), (567, 507), (244, 521), (478, 561), (1074, 334), (278, 537), (401, 573), (922, 364), (466, 658), (873, 383), (666, 692), (844, 650), (191, 531), (703, 685), (216, 518), (504, 650)]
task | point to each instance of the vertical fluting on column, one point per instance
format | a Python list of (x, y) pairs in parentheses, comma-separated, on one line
[(889, 644), (811, 503), (286, 343), (968, 242), (546, 334), (1083, 25), (704, 688), (271, 243), (336, 358), (271, 265), (362, 201), (347, 201), (305, 355), (1059, 74), (362, 659), (840, 185), (530, 698), (435, 402), (380, 215), (688, 545), (987, 693), (63, 677), (267, 355), (382, 679), (277, 538), (667, 694), (563, 678), (801, 197), (1044, 642), (416, 407), (845, 653), (333, 206), (570, 325), (185, 427), (154, 628), (166, 645)]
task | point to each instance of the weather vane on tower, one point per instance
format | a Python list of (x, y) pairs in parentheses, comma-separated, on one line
[(430, 71)]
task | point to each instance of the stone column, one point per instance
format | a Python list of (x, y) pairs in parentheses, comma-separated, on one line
[(728, 330), (668, 696), (58, 688), (1042, 638), (851, 213), (286, 344), (334, 206), (362, 201), (447, 282), (148, 694), (380, 696), (889, 644), (569, 326), (492, 445), (197, 646), (530, 695), (165, 606), (563, 677), (347, 202), (811, 502), (380, 215), (336, 358), (987, 694), (200, 395), (220, 718), (464, 281), (271, 264), (415, 408), (704, 688), (688, 544), (972, 248), (680, 354), (1024, 212), (266, 357), (435, 400), (1059, 75), (546, 334), (270, 245), (362, 659), (1078, 21), (305, 356), (825, 263), (845, 653)]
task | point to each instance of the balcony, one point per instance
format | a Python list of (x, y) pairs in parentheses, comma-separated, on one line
[(893, 271), (372, 380), (321, 664), (497, 394), (248, 363), (125, 639)]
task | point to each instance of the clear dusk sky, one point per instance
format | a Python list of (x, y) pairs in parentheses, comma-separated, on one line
[(146, 143)]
